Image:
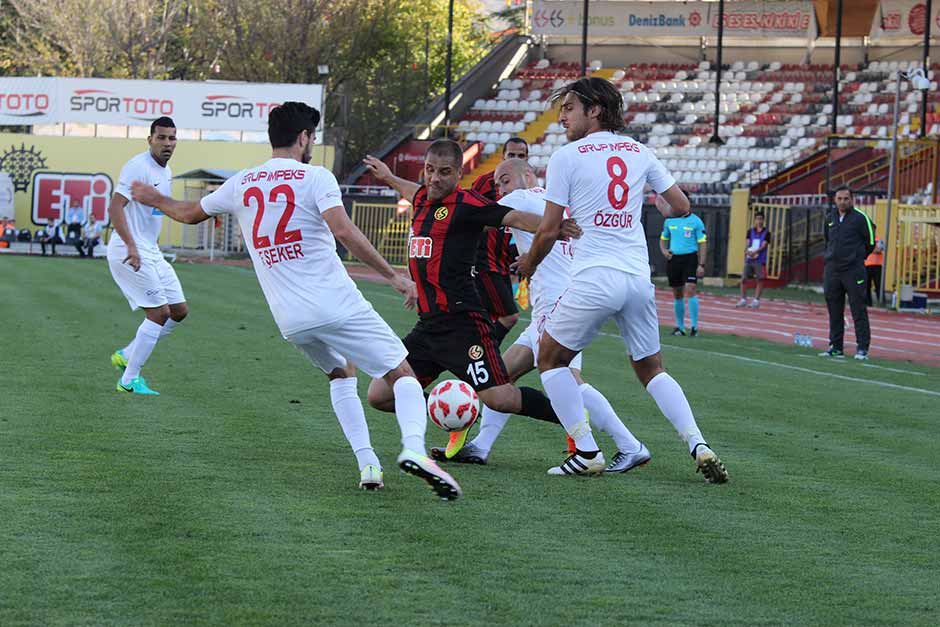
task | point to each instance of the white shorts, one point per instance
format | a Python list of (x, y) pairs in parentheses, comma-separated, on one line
[(154, 285), (364, 339), (599, 294), (531, 336)]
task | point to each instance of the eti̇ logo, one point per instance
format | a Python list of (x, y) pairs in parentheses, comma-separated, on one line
[(420, 247), (55, 192)]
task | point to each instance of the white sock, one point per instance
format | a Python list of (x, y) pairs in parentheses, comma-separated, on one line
[(352, 418), (167, 327), (606, 419), (411, 412), (562, 391), (148, 333), (671, 401), (491, 424)]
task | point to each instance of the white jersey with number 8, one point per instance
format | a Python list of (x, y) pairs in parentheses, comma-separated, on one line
[(278, 206), (601, 179)]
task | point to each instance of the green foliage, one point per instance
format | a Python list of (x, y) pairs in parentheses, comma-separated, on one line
[(375, 49), (231, 499)]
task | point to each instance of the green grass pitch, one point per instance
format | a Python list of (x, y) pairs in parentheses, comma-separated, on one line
[(231, 498)]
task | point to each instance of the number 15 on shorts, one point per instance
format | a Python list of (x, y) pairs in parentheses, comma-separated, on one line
[(478, 373)]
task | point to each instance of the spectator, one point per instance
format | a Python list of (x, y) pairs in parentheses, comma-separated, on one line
[(74, 219), (873, 264), (7, 234), (54, 234), (850, 238), (755, 260), (92, 235)]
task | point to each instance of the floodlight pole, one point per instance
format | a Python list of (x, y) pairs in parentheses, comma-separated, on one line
[(715, 139), (923, 101), (584, 38), (836, 70), (450, 54)]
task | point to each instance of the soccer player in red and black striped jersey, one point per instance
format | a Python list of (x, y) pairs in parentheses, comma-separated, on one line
[(454, 332), (495, 253)]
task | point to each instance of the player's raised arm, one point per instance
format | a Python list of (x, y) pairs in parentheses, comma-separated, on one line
[(187, 212), (407, 189), (673, 203), (359, 245), (548, 231)]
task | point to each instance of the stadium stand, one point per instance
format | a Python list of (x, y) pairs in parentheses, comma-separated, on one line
[(771, 115)]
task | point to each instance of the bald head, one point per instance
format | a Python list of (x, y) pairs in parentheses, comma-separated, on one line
[(513, 174)]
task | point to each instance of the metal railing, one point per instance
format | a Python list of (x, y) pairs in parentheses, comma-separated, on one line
[(918, 249), (387, 227)]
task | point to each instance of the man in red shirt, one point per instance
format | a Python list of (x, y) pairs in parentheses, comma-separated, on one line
[(496, 252)]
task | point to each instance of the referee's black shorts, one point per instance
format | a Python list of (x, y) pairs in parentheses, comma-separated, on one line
[(681, 269)]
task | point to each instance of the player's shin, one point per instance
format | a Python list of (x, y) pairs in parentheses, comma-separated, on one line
[(352, 419), (606, 419), (562, 389), (537, 405), (411, 413), (148, 333), (168, 327), (491, 424), (671, 401)]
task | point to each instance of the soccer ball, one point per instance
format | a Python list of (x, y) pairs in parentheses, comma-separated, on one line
[(453, 405)]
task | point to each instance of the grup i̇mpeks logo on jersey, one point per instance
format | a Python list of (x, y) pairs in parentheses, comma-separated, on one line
[(54, 192)]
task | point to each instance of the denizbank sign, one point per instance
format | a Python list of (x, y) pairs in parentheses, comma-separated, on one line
[(750, 18)]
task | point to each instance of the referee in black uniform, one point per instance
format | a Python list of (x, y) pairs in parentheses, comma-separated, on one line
[(850, 237)]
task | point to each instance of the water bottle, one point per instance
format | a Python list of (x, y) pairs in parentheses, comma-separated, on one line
[(797, 339), (807, 341)]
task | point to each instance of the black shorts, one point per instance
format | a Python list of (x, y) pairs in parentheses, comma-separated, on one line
[(496, 293), (461, 343), (681, 269)]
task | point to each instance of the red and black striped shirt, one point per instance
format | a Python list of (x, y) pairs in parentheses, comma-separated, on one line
[(495, 253), (441, 245)]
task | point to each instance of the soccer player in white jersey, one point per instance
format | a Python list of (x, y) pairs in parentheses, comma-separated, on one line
[(289, 213), (137, 265), (600, 176), (517, 187)]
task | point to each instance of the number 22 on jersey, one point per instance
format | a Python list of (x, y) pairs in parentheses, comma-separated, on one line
[(281, 234)]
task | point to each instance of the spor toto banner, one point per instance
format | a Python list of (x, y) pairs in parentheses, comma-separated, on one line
[(210, 106), (904, 18), (747, 18)]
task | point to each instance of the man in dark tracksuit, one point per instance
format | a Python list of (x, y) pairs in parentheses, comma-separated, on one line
[(850, 237)]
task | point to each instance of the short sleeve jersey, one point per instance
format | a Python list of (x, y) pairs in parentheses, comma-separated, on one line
[(278, 206), (494, 253), (441, 246), (143, 221), (553, 275), (683, 234), (601, 178)]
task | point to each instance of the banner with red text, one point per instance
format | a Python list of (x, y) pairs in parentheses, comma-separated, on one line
[(209, 106), (743, 18), (904, 18)]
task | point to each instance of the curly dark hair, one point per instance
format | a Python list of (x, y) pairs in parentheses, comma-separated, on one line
[(593, 91)]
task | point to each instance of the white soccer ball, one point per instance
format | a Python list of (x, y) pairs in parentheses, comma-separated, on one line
[(453, 405)]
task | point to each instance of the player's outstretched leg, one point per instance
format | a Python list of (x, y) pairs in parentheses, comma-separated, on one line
[(675, 407), (347, 406), (400, 389), (631, 453)]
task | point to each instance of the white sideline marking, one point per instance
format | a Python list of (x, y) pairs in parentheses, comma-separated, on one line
[(848, 359), (766, 363), (807, 370)]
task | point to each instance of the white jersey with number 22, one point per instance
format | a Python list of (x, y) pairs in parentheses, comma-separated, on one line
[(278, 206), (601, 179)]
